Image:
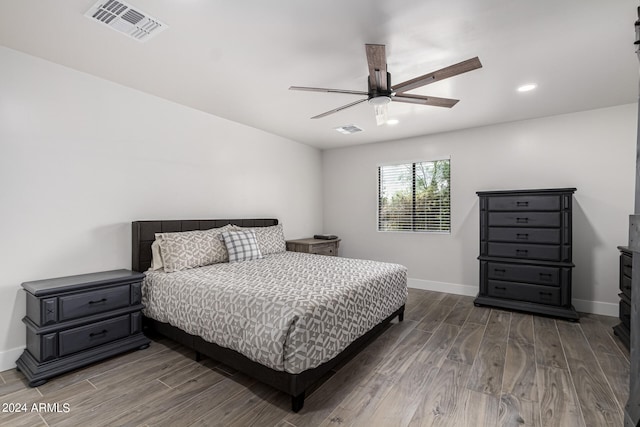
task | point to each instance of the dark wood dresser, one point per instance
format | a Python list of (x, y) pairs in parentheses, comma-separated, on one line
[(77, 320), (314, 246), (622, 330), (525, 251)]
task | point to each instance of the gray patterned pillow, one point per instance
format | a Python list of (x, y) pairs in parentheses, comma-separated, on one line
[(190, 249), (270, 239), (241, 245)]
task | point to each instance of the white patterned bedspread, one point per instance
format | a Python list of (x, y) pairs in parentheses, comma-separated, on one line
[(289, 311)]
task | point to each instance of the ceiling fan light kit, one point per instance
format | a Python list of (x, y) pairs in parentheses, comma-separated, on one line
[(381, 92)]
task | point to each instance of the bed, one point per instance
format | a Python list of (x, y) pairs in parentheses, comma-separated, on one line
[(285, 319)]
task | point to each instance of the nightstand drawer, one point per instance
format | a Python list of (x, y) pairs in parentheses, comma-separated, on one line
[(509, 250), (524, 235), (77, 339), (523, 292), (323, 249), (524, 219), (549, 276), (93, 302), (525, 203)]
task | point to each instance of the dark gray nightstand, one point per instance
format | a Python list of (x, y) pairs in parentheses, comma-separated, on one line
[(77, 320)]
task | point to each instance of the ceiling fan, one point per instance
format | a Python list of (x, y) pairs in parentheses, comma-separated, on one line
[(381, 92)]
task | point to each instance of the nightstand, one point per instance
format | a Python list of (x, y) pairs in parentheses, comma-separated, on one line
[(77, 320), (314, 246)]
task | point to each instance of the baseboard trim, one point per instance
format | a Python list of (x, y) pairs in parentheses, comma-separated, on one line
[(583, 306), (8, 358), (450, 288), (596, 307)]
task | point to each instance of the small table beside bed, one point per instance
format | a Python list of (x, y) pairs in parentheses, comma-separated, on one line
[(283, 318)]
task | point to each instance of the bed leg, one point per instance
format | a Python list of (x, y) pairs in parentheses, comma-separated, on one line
[(297, 402), (198, 356), (401, 315)]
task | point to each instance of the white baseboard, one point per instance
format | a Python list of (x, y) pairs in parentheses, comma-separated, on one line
[(8, 358), (596, 307), (583, 306), (450, 288)]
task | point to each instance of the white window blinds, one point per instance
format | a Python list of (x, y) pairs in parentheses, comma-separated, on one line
[(415, 197)]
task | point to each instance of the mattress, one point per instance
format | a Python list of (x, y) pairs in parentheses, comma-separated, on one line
[(288, 311)]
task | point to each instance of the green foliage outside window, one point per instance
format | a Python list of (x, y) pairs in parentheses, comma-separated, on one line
[(415, 197)]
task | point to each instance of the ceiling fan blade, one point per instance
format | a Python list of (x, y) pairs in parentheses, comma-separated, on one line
[(436, 76), (320, 89), (338, 109), (425, 100), (377, 61)]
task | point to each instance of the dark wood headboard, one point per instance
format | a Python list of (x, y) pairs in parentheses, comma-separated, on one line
[(143, 234)]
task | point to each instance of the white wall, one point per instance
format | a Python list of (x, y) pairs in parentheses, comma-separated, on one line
[(80, 158), (593, 151)]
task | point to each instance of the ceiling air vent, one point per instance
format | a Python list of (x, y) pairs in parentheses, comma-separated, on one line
[(349, 129), (123, 18)]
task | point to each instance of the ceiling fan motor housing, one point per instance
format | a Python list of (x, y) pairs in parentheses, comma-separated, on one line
[(378, 95)]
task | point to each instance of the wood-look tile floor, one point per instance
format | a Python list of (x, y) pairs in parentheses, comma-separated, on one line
[(448, 364)]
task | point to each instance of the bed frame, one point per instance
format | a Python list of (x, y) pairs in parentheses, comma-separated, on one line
[(143, 235)]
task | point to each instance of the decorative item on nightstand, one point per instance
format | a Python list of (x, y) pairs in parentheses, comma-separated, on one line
[(315, 246), (525, 251), (77, 320)]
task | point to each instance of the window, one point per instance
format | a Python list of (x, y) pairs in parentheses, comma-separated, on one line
[(415, 197)]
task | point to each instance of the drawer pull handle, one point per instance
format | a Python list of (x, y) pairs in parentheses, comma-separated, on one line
[(501, 288), (522, 251), (545, 275), (499, 270), (546, 293), (627, 265), (522, 220), (99, 301), (95, 334), (522, 236), (522, 204)]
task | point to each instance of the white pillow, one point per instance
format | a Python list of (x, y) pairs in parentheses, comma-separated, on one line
[(156, 256), (190, 249)]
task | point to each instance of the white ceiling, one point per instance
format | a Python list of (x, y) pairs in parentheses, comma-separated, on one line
[(236, 59)]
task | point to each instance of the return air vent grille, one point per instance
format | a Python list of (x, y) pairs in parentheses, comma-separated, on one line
[(124, 18), (349, 129)]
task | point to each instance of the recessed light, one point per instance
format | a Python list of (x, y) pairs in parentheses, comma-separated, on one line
[(393, 122), (527, 87)]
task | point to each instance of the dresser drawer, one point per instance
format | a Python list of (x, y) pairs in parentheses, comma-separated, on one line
[(549, 276), (625, 313), (77, 339), (625, 286), (524, 235), (524, 219), (93, 302), (524, 292), (627, 263), (525, 203), (513, 250)]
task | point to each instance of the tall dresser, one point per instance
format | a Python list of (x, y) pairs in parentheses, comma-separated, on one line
[(525, 251)]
